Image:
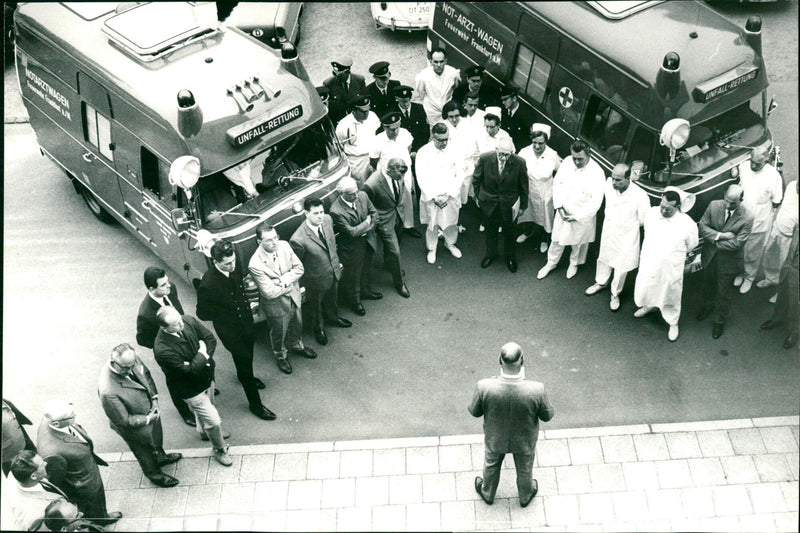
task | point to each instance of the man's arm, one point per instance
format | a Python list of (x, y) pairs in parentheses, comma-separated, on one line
[(117, 412), (476, 405), (296, 271), (522, 180), (266, 285), (341, 224), (204, 334), (708, 233), (477, 177), (546, 410), (740, 237), (171, 361), (145, 331)]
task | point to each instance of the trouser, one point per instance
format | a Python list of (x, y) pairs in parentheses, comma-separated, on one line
[(775, 253), (207, 416), (717, 286), (603, 275), (753, 250), (493, 220), (180, 405), (432, 236), (286, 331), (90, 500), (147, 445), (240, 344), (577, 255), (323, 305), (408, 208), (786, 305), (356, 272), (391, 252), (523, 462)]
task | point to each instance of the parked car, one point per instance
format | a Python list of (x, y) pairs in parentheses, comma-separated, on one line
[(402, 15), (269, 22)]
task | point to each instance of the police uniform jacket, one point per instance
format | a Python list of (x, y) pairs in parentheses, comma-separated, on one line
[(416, 122), (339, 95), (222, 300), (518, 125), (127, 402), (382, 103), (320, 259), (146, 323), (188, 372)]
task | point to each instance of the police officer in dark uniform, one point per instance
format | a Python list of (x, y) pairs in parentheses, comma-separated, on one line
[(324, 94), (488, 93), (381, 91), (342, 87), (516, 119), (412, 117), (221, 298)]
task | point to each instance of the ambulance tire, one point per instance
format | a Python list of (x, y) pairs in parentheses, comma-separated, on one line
[(94, 206)]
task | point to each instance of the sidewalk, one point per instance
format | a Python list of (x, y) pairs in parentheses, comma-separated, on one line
[(732, 475)]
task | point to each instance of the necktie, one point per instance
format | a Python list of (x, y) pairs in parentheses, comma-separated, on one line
[(134, 378), (75, 434), (727, 215), (322, 237), (393, 186), (167, 302), (500, 167), (49, 487)]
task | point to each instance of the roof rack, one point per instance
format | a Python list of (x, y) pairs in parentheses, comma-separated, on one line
[(618, 9)]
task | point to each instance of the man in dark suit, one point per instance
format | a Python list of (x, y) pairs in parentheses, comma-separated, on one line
[(515, 119), (476, 84), (314, 243), (277, 271), (354, 219), (381, 91), (724, 227), (500, 181), (15, 438), (511, 407), (71, 462), (130, 400), (343, 86), (184, 350), (384, 188), (221, 299), (412, 118), (160, 292)]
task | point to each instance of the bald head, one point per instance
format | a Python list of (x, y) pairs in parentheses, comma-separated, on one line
[(758, 158), (511, 357), (733, 196), (347, 185), (396, 168), (505, 145), (59, 412), (123, 358)]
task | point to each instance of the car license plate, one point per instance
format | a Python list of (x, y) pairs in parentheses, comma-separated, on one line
[(422, 8)]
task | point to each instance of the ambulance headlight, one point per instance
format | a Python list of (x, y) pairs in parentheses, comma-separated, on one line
[(185, 172), (258, 33), (675, 133)]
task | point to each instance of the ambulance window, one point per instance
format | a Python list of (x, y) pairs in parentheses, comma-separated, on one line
[(605, 127), (97, 130), (531, 73), (642, 147), (150, 172)]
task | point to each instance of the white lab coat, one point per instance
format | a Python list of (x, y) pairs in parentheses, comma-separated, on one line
[(464, 145), (540, 186), (358, 138), (439, 172), (624, 213), (434, 91), (580, 192), (383, 148), (761, 190)]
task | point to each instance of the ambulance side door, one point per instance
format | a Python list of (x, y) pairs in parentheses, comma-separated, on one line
[(564, 105)]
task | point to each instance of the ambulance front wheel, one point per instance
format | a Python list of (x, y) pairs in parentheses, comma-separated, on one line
[(94, 206)]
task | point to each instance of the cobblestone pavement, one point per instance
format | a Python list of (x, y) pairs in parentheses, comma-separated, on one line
[(732, 475)]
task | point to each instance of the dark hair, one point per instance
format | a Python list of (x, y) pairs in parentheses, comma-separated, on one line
[(221, 249), (22, 466), (310, 202), (437, 49), (450, 106), (439, 128), (152, 275), (539, 133), (579, 146), (672, 196), (472, 95), (264, 227), (492, 117)]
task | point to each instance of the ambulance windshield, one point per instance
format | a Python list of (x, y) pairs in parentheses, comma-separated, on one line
[(237, 194)]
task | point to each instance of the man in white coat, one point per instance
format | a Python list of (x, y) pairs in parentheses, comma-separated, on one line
[(669, 234), (435, 84), (577, 196), (780, 238), (356, 132), (763, 192), (439, 174), (543, 163), (626, 206), (462, 144)]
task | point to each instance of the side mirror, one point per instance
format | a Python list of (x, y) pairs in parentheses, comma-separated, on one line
[(180, 220), (773, 105)]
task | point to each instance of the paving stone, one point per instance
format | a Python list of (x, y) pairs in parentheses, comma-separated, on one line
[(405, 489), (257, 467), (218, 473), (171, 523), (125, 475), (546, 477), (372, 491), (714, 443), (422, 460), (390, 462), (664, 504), (793, 460), (673, 474), (290, 466), (465, 488), (438, 487), (455, 458), (622, 527), (731, 500), (530, 517), (234, 522), (697, 502), (778, 439), (355, 463), (651, 447), (739, 469), (323, 465), (236, 496), (606, 477), (685, 524), (573, 479), (338, 492), (460, 516), (552, 452), (790, 495), (493, 517), (203, 499), (758, 523), (618, 448), (192, 470), (630, 506), (654, 525), (747, 441), (354, 519), (719, 524), (586, 450), (131, 524), (796, 433), (270, 496), (170, 502), (640, 475), (477, 453), (767, 498), (423, 517), (270, 520), (683, 445), (304, 494), (201, 522), (786, 521), (507, 487), (389, 518), (133, 503), (560, 510), (772, 467), (311, 520), (707, 471), (595, 508)]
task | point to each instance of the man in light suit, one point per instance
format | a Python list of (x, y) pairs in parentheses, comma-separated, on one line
[(72, 464), (130, 400), (384, 188), (354, 219), (343, 86), (314, 243), (500, 181), (725, 228), (28, 491), (511, 407), (277, 271)]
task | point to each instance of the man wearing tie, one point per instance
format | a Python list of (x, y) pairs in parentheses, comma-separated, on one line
[(277, 271), (412, 117), (314, 243), (381, 91), (29, 491), (71, 462), (725, 228), (342, 87), (160, 292)]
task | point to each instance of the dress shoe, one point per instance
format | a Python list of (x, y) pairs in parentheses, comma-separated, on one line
[(614, 303), (773, 298), (321, 337), (341, 323), (717, 329), (190, 422), (263, 413), (747, 284), (763, 284), (305, 351), (639, 313), (413, 232), (169, 458), (543, 247), (594, 289), (478, 487), (571, 271), (790, 341), (487, 261), (163, 480), (455, 252), (522, 238), (222, 456), (769, 324), (481, 228), (109, 519), (737, 281), (216, 391), (533, 494), (545, 270), (372, 295), (402, 290), (673, 333), (225, 435), (431, 257), (512, 265), (703, 313), (284, 365), (358, 308), (260, 384)]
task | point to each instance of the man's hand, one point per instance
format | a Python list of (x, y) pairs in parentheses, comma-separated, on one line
[(726, 236), (566, 215)]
